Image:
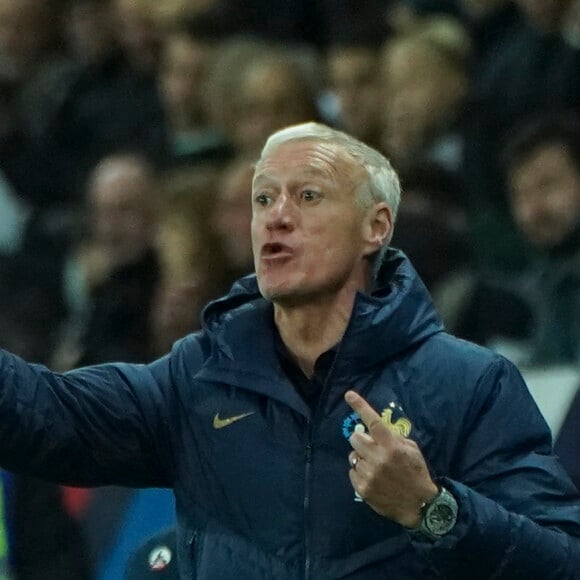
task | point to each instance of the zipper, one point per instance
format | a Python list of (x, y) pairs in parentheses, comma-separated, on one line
[(193, 549), (192, 540), (308, 463)]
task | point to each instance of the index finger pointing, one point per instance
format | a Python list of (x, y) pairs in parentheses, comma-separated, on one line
[(368, 415)]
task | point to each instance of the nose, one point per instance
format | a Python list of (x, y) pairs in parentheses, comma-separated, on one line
[(281, 214)]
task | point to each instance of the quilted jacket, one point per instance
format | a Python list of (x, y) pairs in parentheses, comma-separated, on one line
[(261, 479)]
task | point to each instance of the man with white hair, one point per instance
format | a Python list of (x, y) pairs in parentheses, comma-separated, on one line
[(321, 424)]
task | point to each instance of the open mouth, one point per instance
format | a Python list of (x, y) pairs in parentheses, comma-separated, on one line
[(275, 250)]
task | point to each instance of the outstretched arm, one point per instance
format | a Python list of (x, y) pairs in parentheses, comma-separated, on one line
[(98, 425)]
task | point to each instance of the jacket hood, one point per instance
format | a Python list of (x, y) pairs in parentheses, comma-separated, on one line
[(397, 315)]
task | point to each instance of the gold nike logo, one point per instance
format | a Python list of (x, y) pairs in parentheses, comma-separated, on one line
[(219, 423)]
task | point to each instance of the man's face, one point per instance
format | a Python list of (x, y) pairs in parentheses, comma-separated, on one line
[(139, 31), (90, 30), (182, 77), (269, 98), (122, 216), (353, 76), (545, 195), (420, 102), (307, 231)]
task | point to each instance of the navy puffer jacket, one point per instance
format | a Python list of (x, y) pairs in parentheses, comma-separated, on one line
[(261, 480)]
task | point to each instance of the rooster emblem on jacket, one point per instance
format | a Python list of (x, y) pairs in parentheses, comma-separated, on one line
[(401, 426), (392, 417)]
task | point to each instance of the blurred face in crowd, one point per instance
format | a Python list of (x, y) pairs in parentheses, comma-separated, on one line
[(545, 195), (183, 79), (420, 101), (271, 97), (309, 234), (234, 213), (139, 32), (544, 14), (121, 193), (90, 30), (25, 29), (183, 290), (353, 73)]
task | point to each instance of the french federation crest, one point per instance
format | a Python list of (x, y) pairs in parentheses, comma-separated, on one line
[(392, 416)]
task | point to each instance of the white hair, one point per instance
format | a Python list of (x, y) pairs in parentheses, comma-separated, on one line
[(382, 182)]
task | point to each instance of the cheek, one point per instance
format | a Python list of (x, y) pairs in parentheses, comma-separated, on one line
[(255, 244), (570, 203), (254, 232), (520, 210), (560, 205), (332, 254)]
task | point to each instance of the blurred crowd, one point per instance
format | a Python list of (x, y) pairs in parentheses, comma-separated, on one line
[(128, 129)]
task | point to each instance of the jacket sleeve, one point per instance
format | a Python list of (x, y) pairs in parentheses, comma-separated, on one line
[(519, 513), (99, 425)]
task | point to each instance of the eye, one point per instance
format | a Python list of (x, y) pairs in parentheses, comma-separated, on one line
[(262, 199), (309, 195)]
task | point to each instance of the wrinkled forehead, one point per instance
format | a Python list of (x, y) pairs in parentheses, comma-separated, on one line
[(551, 158), (310, 158)]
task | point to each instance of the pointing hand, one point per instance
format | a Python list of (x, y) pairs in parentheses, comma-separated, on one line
[(388, 471)]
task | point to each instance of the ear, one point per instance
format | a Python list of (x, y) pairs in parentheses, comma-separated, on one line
[(377, 228)]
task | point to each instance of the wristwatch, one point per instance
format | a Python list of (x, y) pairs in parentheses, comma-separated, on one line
[(438, 517)]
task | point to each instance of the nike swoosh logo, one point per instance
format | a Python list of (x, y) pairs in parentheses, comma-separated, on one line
[(219, 423)]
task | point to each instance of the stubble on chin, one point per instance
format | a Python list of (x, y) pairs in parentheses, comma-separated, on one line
[(282, 296)]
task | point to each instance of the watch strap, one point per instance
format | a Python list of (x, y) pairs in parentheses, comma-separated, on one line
[(438, 517)]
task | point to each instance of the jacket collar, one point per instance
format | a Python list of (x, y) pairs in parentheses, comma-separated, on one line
[(396, 316)]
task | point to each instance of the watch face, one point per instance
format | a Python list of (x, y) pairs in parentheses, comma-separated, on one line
[(440, 518)]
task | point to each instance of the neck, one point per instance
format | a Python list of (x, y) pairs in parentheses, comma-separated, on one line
[(309, 330)]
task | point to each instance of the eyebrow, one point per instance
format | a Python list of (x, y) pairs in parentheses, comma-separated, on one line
[(260, 178)]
